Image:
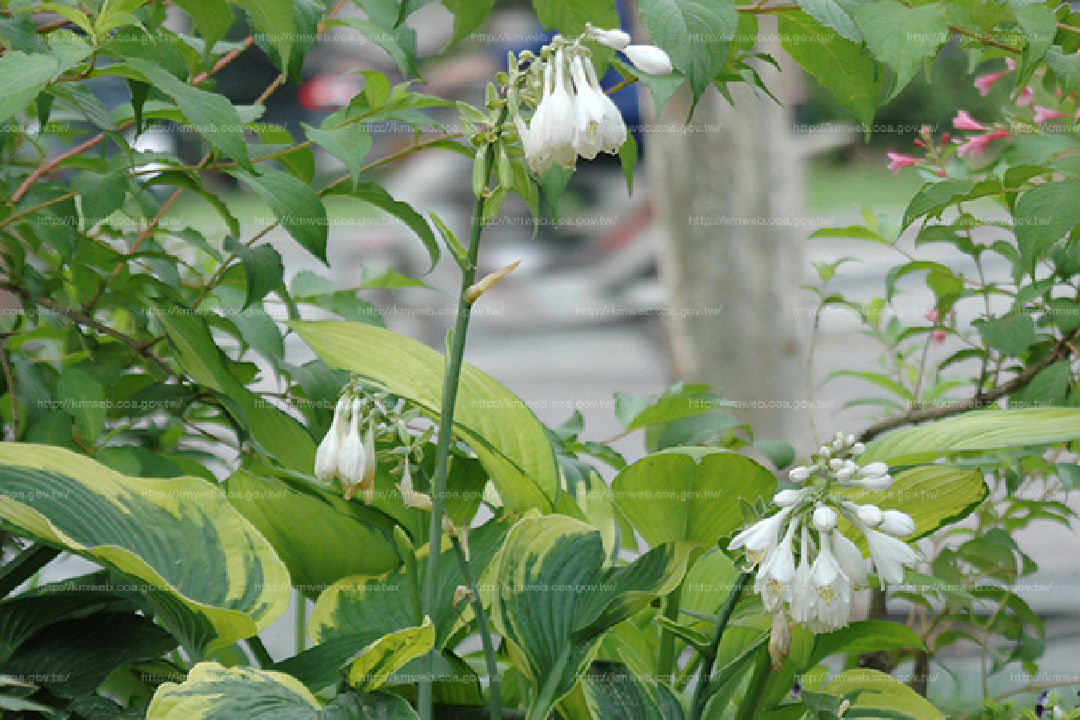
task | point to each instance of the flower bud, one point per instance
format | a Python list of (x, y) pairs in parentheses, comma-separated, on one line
[(870, 515), (876, 483), (799, 474), (787, 498), (616, 39), (858, 448), (779, 640), (824, 518), (874, 468), (896, 523), (649, 59)]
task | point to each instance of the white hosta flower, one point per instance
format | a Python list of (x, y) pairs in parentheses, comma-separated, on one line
[(598, 125), (800, 596), (616, 39), (549, 138), (759, 538), (832, 590), (896, 523), (889, 555), (787, 498), (858, 448), (799, 474), (869, 514), (874, 469), (649, 59), (326, 457), (850, 558), (352, 459), (776, 572), (824, 518)]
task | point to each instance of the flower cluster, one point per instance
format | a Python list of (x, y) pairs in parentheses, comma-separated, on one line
[(807, 568), (573, 117), (348, 450)]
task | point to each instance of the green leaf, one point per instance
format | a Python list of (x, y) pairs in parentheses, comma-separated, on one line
[(211, 577), (212, 18), (977, 431), (214, 692), (398, 42), (569, 16), (902, 37), (274, 22), (262, 268), (209, 114), (1040, 26), (349, 144), (612, 692), (382, 658), (500, 428), (695, 33), (24, 77), (278, 434), (468, 15), (1044, 215), (375, 194), (840, 65), (83, 398), (1049, 387), (1011, 334), (672, 496), (628, 158), (553, 598), (99, 195), (323, 548), (878, 691), (176, 178), (294, 204), (836, 15), (862, 637)]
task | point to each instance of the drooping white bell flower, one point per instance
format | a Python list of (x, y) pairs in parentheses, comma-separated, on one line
[(352, 457), (556, 134), (649, 59), (800, 593), (832, 589), (896, 523), (824, 518), (776, 572), (616, 39), (850, 558), (598, 125), (761, 537), (889, 555), (326, 456)]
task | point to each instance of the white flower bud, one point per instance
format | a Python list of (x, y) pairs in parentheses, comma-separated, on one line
[(825, 451), (858, 448), (649, 59), (835, 464), (870, 515), (896, 523), (849, 440), (787, 498), (824, 518), (799, 474), (616, 39), (875, 483), (874, 468)]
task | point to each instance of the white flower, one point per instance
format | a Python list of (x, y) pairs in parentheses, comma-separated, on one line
[(889, 555), (787, 498), (832, 589), (874, 469), (800, 597), (847, 471), (896, 523), (326, 457), (776, 572), (850, 558), (649, 59), (759, 538), (549, 138), (858, 448), (799, 474), (869, 514), (352, 460), (616, 39), (824, 518), (598, 125)]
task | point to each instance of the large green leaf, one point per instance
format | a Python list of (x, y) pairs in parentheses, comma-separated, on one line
[(278, 434), (902, 37), (510, 442), (331, 540), (212, 578), (933, 495), (569, 16), (695, 33), (382, 658), (554, 597), (275, 23), (24, 77), (862, 637), (612, 692), (213, 692), (878, 691), (294, 204), (377, 195), (979, 430), (673, 496), (1044, 215), (842, 66)]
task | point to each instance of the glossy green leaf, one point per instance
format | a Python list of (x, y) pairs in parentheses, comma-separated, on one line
[(502, 430), (862, 637), (349, 144), (612, 692), (275, 22), (694, 33), (294, 204), (673, 496), (902, 37), (211, 576), (24, 77)]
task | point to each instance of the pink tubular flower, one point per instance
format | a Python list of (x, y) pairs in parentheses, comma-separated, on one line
[(932, 315), (983, 83), (976, 145), (899, 160), (1042, 114), (938, 336), (963, 121), (1026, 97)]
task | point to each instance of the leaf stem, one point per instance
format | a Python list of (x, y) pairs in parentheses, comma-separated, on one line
[(666, 655), (495, 701), (748, 706), (700, 699), (24, 565), (262, 655)]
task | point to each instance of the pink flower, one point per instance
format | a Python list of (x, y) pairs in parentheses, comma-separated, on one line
[(1042, 114), (938, 336), (983, 83), (932, 315), (963, 121), (976, 145), (899, 160), (1025, 97)]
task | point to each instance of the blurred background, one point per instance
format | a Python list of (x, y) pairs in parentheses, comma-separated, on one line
[(695, 276)]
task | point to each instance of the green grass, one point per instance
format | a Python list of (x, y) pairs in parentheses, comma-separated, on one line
[(860, 184)]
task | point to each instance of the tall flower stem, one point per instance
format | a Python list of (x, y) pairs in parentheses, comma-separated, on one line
[(697, 709), (495, 701), (455, 353)]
